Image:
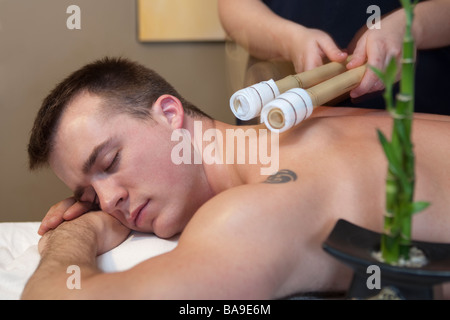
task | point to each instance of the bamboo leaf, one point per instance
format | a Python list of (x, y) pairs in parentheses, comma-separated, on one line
[(379, 73), (419, 206), (388, 78), (389, 151), (389, 75), (386, 146), (391, 72)]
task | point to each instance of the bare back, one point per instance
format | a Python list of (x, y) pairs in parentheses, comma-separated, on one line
[(340, 171)]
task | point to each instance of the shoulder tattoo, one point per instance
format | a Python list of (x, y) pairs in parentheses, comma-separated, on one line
[(282, 176)]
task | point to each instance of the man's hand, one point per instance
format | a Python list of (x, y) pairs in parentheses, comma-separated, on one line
[(67, 209), (76, 242), (105, 231)]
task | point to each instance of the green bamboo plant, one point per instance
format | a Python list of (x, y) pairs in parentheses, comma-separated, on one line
[(400, 182)]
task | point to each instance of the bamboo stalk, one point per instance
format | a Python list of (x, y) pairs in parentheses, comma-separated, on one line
[(400, 183), (312, 77), (247, 103), (296, 104), (336, 86)]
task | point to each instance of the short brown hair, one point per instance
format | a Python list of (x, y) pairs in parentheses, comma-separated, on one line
[(126, 86)]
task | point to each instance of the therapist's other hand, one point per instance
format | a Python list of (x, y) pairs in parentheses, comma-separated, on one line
[(377, 47), (308, 48)]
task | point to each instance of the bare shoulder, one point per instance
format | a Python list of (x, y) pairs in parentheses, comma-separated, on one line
[(237, 246), (267, 199), (233, 247), (247, 210), (267, 228)]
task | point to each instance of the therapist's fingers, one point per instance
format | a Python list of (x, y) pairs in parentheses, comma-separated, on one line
[(377, 56), (325, 47), (313, 61), (369, 83), (331, 50), (359, 55)]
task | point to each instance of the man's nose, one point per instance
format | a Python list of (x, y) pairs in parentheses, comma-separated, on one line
[(110, 195)]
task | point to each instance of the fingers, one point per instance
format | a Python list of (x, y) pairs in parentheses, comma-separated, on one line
[(54, 216), (376, 47), (376, 55), (331, 50), (66, 209), (76, 210), (311, 47), (369, 83), (324, 47), (313, 61), (359, 56)]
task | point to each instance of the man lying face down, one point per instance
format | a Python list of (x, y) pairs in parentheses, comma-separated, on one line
[(107, 131)]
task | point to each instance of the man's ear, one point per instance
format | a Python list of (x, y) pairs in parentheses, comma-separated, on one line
[(169, 109)]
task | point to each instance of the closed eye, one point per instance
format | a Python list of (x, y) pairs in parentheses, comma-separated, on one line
[(113, 165)]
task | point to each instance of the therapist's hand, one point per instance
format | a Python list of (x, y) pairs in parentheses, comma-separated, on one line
[(67, 209), (308, 48), (377, 47)]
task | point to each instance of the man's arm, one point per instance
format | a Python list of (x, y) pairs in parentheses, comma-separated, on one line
[(230, 251), (206, 264), (73, 243)]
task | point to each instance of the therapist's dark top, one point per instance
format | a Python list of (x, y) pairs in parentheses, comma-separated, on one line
[(341, 19)]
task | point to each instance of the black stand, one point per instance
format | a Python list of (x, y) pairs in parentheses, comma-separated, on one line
[(354, 246)]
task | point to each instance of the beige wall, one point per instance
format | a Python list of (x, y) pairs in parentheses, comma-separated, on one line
[(37, 50)]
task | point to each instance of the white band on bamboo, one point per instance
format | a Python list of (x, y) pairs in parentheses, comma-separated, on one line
[(247, 103), (287, 110)]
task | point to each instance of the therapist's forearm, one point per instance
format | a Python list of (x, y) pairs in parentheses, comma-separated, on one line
[(255, 27), (431, 26)]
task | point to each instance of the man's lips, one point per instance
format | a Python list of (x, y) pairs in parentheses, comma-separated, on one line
[(136, 213)]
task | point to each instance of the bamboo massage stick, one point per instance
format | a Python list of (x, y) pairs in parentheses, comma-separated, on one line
[(247, 103), (297, 104)]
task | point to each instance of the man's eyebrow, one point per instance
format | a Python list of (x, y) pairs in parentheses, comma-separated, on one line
[(87, 166)]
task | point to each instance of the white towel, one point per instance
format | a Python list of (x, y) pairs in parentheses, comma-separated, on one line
[(19, 254)]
